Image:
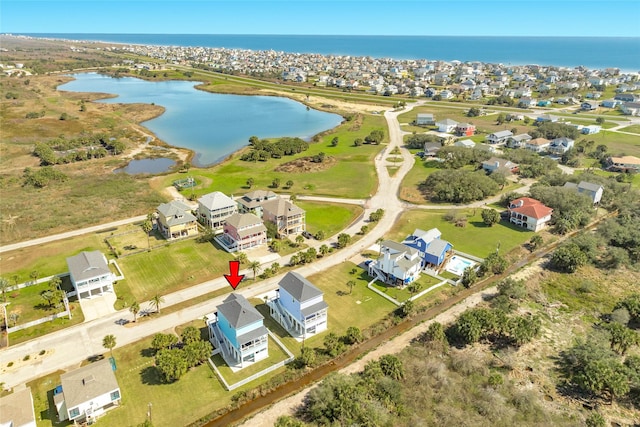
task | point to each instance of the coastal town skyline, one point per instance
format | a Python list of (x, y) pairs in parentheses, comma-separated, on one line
[(565, 18)]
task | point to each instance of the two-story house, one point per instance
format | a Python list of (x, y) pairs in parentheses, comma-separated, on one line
[(501, 165), (538, 145), (90, 274), (397, 264), (465, 129), (243, 231), (518, 141), (425, 119), (87, 392), (214, 209), (288, 218), (529, 213), (300, 307), (594, 191), (237, 330), (446, 125), (433, 250), (560, 145), (499, 137), (252, 201), (175, 220)]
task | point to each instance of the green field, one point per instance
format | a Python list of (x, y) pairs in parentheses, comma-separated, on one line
[(331, 218), (419, 172), (476, 238), (347, 164), (632, 129)]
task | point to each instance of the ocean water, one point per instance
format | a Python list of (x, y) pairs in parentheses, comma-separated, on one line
[(212, 125), (591, 52)]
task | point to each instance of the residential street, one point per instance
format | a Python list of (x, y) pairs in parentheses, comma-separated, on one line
[(69, 347)]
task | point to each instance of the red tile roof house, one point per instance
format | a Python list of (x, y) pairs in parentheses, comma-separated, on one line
[(529, 213)]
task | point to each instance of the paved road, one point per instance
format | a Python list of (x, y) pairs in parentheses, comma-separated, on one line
[(69, 347)]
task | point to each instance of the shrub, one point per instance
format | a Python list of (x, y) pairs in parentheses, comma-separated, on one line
[(27, 357)]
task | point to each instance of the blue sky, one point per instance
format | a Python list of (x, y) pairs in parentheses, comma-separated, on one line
[(348, 17)]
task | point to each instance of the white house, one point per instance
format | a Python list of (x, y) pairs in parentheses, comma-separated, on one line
[(466, 143), (529, 213), (446, 125), (538, 145), (425, 119), (300, 307), (90, 274), (87, 392), (560, 145), (237, 329), (594, 191), (214, 209), (499, 137), (590, 129), (397, 264), (16, 409)]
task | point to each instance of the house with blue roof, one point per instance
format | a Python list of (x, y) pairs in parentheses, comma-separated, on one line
[(432, 249), (238, 332)]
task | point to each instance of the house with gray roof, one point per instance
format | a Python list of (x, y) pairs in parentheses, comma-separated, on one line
[(594, 191), (16, 409), (398, 264), (252, 201), (243, 231), (502, 165), (518, 141), (560, 145), (90, 274), (87, 393), (424, 119), (237, 331), (214, 209), (175, 220), (499, 137), (288, 218), (299, 307)]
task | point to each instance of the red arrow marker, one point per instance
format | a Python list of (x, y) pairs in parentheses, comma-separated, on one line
[(234, 278)]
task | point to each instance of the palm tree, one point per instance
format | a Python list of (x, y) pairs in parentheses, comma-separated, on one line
[(378, 242), (242, 257), (147, 226), (255, 267), (4, 285), (156, 301), (289, 184), (109, 341), (324, 249), (299, 239), (135, 309), (34, 275), (250, 182), (351, 284)]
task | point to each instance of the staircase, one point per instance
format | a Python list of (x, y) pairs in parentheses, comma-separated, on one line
[(221, 346), (284, 318)]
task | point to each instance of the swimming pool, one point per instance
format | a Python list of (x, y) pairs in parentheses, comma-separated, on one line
[(457, 264)]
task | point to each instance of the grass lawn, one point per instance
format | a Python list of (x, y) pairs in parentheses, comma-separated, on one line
[(361, 308), (632, 129), (419, 172), (170, 268), (402, 295), (391, 170), (635, 181), (195, 395), (276, 354), (618, 143), (352, 164), (329, 217), (476, 238), (49, 258)]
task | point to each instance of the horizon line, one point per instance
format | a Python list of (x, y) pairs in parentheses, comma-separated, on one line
[(329, 35)]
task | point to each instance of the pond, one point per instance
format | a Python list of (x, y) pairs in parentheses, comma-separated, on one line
[(158, 165), (212, 125)]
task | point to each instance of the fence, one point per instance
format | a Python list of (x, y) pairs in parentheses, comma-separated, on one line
[(257, 375), (50, 318)]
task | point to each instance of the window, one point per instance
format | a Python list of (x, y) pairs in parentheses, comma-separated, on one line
[(74, 412), (115, 395)]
